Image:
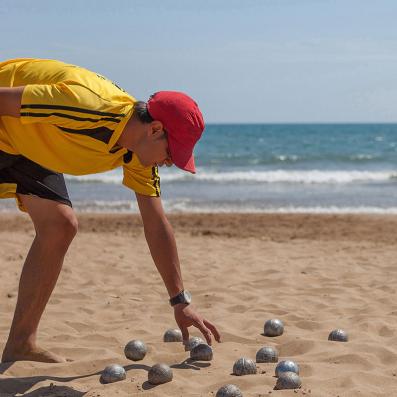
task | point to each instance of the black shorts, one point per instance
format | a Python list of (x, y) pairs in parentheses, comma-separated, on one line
[(19, 175)]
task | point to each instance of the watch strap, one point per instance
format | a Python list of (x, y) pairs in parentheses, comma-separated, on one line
[(182, 297)]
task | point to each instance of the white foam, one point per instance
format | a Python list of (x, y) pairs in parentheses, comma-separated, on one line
[(301, 176), (187, 206), (276, 176), (98, 178), (106, 206)]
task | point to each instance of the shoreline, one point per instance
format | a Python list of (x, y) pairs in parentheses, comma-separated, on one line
[(272, 226)]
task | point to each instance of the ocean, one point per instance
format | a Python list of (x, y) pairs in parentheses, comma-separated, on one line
[(321, 168)]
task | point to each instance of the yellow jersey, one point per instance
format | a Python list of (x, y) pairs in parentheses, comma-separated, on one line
[(70, 121)]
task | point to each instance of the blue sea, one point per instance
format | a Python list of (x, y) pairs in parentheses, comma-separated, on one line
[(321, 168)]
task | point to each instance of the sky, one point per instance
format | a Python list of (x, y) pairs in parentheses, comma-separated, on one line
[(248, 61)]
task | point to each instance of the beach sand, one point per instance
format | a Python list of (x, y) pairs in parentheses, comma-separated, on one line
[(314, 272)]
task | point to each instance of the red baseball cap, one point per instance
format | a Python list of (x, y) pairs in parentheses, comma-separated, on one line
[(183, 122)]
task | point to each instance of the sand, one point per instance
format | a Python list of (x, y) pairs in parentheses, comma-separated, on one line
[(314, 272)]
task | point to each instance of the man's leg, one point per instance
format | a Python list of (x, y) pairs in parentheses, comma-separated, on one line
[(56, 225)]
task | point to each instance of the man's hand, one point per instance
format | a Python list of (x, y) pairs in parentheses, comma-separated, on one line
[(161, 241), (186, 316)]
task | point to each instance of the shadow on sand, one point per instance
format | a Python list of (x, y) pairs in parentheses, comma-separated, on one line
[(13, 386), (19, 385), (55, 391)]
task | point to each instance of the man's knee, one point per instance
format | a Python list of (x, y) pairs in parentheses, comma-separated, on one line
[(68, 225), (53, 221), (60, 227)]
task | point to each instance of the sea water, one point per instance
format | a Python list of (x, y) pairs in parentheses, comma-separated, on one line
[(335, 168)]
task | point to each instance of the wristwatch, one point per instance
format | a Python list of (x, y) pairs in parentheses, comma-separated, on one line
[(183, 297)]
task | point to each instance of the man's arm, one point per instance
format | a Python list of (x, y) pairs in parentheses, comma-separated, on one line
[(161, 241), (160, 238), (10, 101)]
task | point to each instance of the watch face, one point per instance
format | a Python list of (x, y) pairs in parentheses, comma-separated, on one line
[(187, 296)]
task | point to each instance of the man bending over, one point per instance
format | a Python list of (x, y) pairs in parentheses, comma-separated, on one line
[(58, 118)]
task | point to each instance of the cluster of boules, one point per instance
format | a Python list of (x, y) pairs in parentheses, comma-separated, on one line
[(286, 371)]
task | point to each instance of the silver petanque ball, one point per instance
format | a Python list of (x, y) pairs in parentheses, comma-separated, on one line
[(273, 327), (338, 335), (160, 373), (201, 352), (135, 350), (288, 380), (287, 366), (267, 354), (193, 342), (229, 391), (244, 366), (172, 335), (113, 373)]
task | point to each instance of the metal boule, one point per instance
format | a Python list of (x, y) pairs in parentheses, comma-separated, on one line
[(201, 352), (113, 373), (267, 354), (229, 391), (244, 366), (135, 350), (193, 342), (273, 327), (288, 380), (287, 366), (160, 373), (172, 335), (338, 335)]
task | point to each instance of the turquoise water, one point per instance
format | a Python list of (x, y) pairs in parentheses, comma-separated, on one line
[(266, 168), (285, 168), (303, 147)]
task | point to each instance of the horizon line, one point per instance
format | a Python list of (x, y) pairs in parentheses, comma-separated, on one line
[(301, 122)]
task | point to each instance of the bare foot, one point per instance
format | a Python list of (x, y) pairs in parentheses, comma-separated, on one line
[(33, 354)]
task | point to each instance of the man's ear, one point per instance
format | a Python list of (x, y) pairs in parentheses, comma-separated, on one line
[(156, 127)]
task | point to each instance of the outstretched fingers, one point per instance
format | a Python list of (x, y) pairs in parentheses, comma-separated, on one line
[(186, 316), (213, 329), (185, 334), (204, 330)]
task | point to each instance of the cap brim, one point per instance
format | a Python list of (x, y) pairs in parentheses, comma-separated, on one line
[(182, 157)]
